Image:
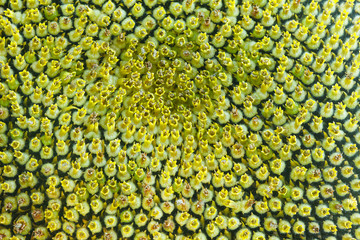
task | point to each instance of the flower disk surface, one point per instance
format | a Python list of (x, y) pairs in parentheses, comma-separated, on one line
[(193, 119)]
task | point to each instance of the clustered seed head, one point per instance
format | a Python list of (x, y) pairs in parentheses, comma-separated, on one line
[(193, 119)]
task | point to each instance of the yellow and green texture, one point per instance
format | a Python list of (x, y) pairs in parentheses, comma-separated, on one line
[(159, 119)]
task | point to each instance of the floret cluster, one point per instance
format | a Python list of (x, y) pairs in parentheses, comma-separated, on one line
[(193, 119)]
